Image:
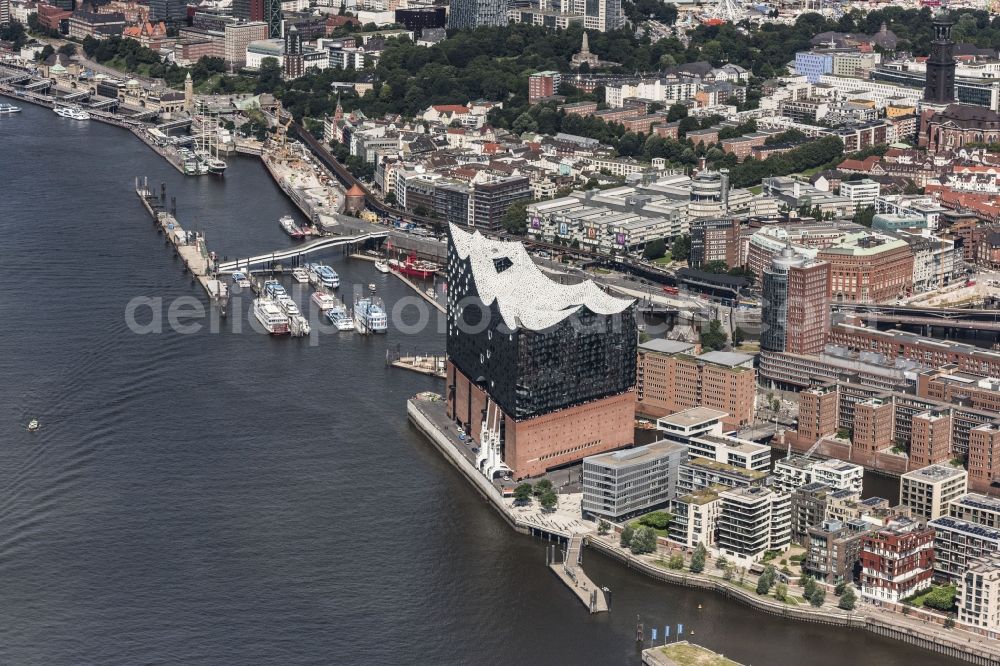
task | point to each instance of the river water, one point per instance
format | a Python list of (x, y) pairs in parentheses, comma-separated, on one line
[(230, 498)]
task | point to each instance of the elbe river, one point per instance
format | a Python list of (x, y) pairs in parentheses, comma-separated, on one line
[(228, 498)]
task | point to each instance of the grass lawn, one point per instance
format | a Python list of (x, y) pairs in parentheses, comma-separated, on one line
[(205, 87), (809, 172), (665, 259), (756, 189), (600, 271), (686, 654)]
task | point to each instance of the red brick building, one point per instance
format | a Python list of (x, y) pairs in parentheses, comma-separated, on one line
[(897, 561), (818, 408), (958, 125), (869, 268), (542, 85), (742, 146), (930, 439), (984, 457), (874, 425), (54, 18), (808, 318)]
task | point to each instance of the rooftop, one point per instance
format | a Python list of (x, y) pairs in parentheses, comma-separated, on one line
[(665, 346), (731, 359), (722, 468), (693, 417), (934, 473), (978, 501), (638, 455), (526, 298)]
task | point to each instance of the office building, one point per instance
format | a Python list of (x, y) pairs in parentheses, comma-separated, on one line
[(630, 482), (818, 411), (795, 310), (959, 544), (170, 12), (897, 560), (868, 268), (491, 198), (695, 516), (4, 12), (715, 239), (238, 38), (978, 598), (669, 379), (550, 395), (752, 521), (976, 508), (542, 85), (862, 192), (874, 424), (469, 14), (250, 10), (927, 491), (834, 550)]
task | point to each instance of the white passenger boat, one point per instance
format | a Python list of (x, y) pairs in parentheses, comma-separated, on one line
[(72, 112), (270, 316), (324, 301), (381, 266), (340, 318), (301, 275), (369, 316)]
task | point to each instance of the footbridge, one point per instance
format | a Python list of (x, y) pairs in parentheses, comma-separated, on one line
[(262, 261)]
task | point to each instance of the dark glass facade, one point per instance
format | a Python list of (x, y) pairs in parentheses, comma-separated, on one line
[(527, 372)]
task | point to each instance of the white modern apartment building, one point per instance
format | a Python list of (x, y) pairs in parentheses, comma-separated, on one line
[(861, 192), (752, 521), (959, 544), (796, 471), (976, 508), (928, 491), (978, 598), (696, 517)]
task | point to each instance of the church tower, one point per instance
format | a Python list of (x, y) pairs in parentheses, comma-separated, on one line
[(940, 86)]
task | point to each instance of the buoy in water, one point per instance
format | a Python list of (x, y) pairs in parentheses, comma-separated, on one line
[(33, 425)]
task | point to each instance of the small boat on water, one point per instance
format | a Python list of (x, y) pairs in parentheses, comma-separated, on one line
[(287, 223), (371, 286), (9, 108), (71, 112), (381, 266), (340, 318), (33, 425), (286, 303), (273, 288), (301, 275)]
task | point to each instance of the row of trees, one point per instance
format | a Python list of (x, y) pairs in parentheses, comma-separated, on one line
[(542, 490)]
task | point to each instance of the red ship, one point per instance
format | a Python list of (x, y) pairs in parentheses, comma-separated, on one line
[(414, 267)]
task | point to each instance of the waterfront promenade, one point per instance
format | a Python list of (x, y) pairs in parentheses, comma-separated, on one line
[(428, 414)]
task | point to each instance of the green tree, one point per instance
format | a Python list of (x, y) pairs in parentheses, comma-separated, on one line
[(698, 559), (817, 598), (643, 541), (522, 494), (738, 336), (654, 249), (864, 216), (809, 588), (680, 250), (714, 338), (515, 220), (847, 599), (941, 598), (676, 112), (762, 585), (603, 527), (839, 588), (676, 562), (542, 487), (548, 500), (658, 520), (68, 49), (628, 532), (727, 572), (781, 592)]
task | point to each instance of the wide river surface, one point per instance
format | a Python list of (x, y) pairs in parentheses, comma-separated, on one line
[(228, 498)]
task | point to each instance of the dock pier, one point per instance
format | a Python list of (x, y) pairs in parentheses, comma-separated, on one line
[(188, 245), (427, 364), (576, 580)]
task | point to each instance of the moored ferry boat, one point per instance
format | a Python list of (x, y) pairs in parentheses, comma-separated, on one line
[(381, 266), (72, 112), (288, 224), (324, 275), (369, 315), (414, 267), (270, 316), (324, 301), (286, 303), (340, 318), (8, 108), (301, 275), (273, 288)]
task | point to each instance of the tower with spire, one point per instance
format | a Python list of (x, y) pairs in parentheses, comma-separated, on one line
[(188, 93)]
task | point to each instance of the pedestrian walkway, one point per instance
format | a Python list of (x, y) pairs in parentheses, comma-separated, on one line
[(576, 579)]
